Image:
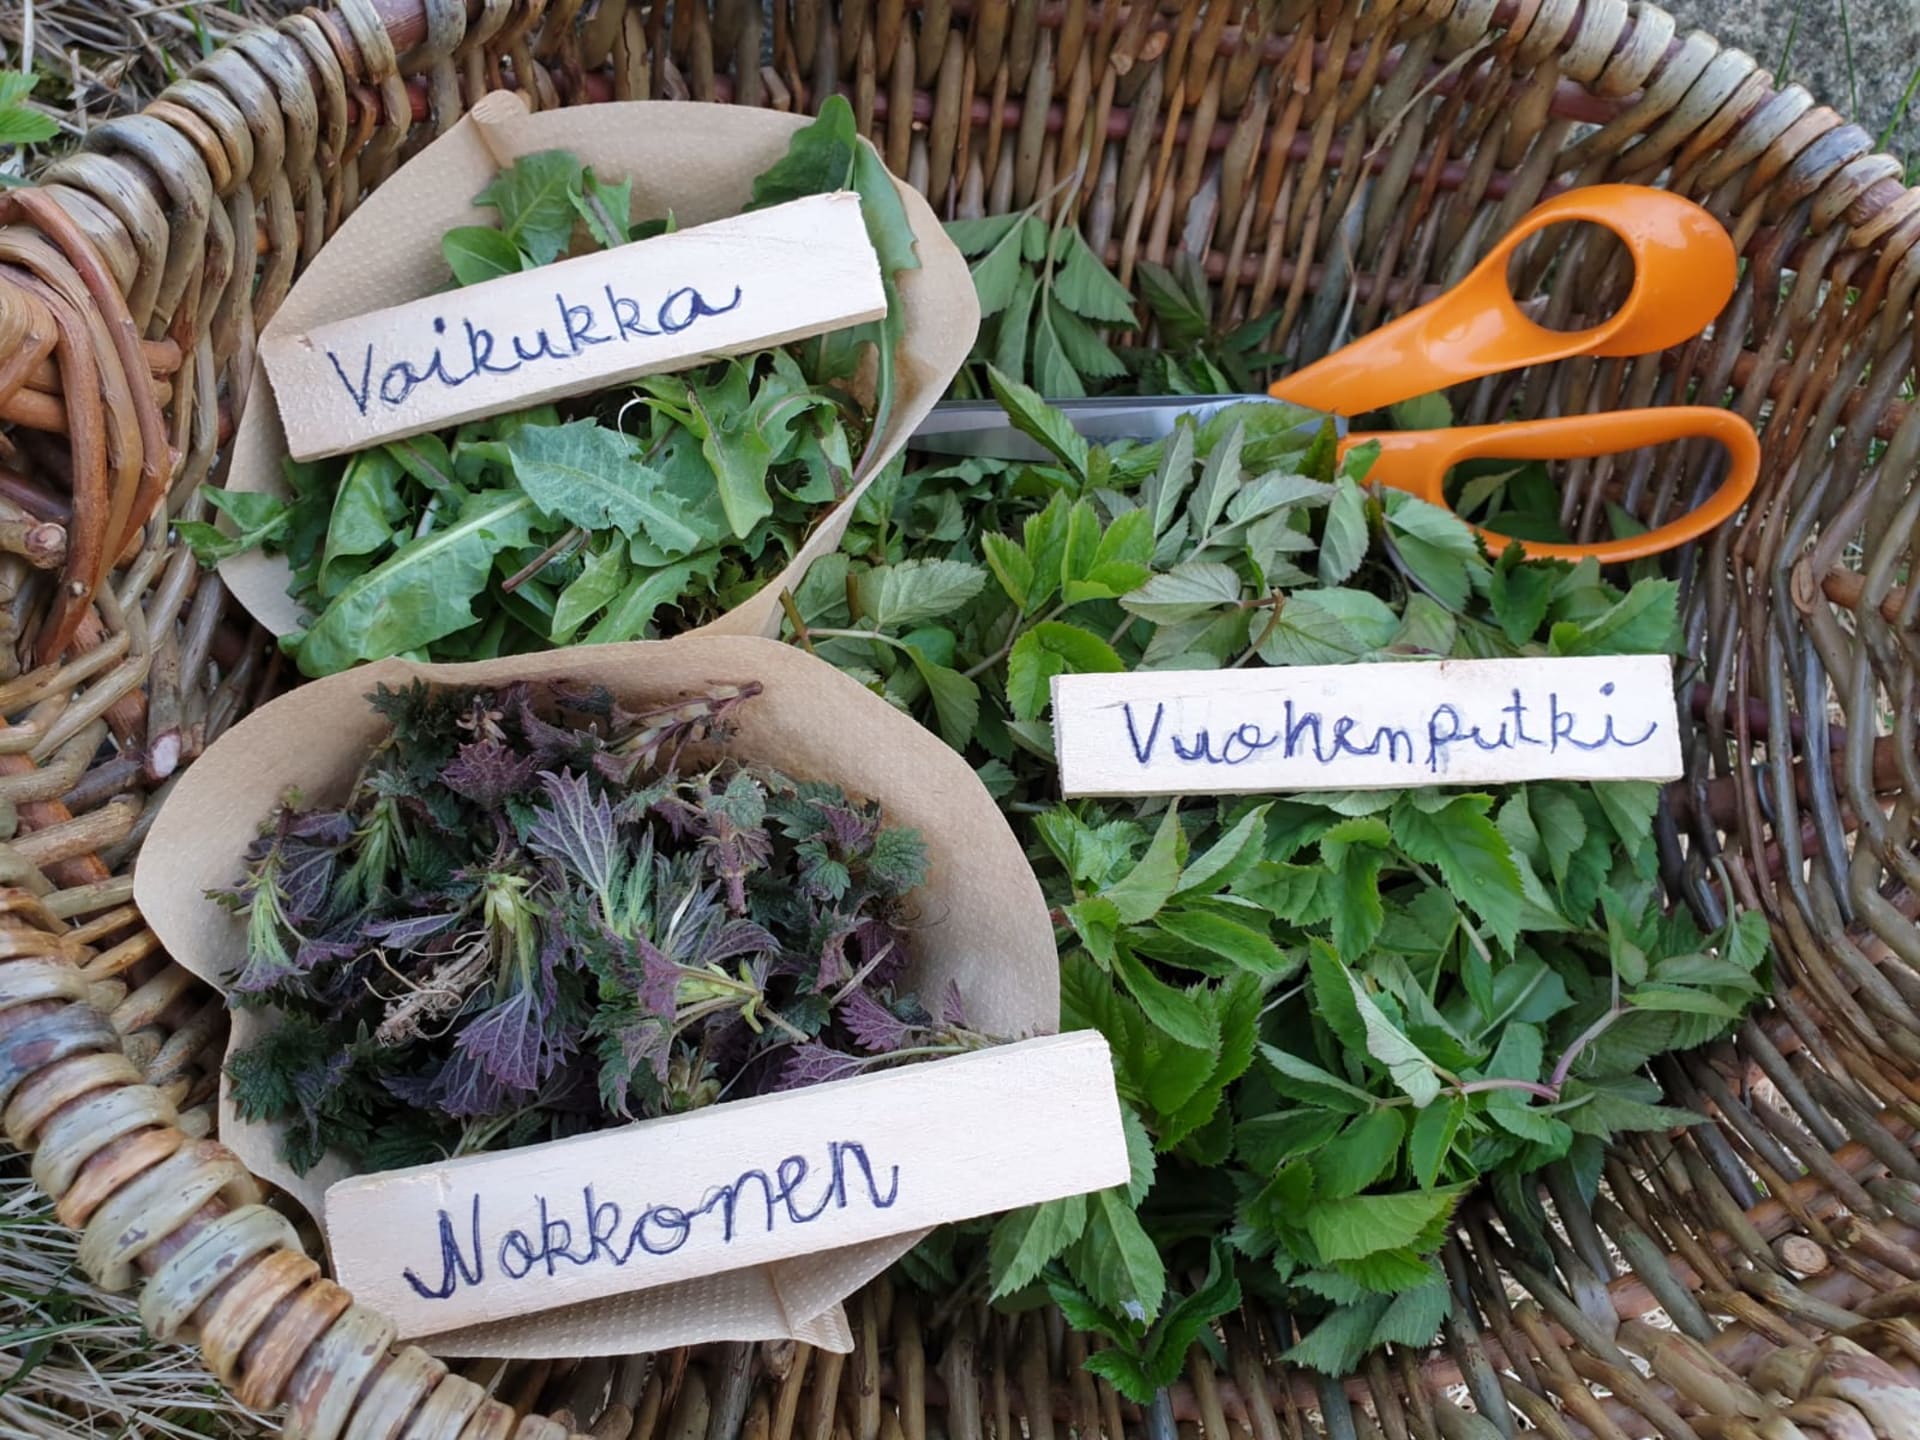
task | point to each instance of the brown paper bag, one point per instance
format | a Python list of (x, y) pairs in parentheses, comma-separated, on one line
[(698, 161), (987, 925)]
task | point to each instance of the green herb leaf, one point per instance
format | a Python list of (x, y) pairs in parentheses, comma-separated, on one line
[(1344, 545), (476, 253), (1412, 1071), (1053, 648), (1119, 1264), (1364, 1151), (534, 199), (1328, 627), (585, 474), (1025, 1240), (1433, 1130), (1149, 885), (421, 593), (1360, 1225), (1040, 422), (1471, 854), (900, 596)]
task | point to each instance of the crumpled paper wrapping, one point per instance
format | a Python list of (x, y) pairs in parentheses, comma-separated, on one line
[(984, 924), (698, 161)]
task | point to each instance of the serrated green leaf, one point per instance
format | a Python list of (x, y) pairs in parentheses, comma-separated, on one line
[(1644, 621), (1335, 1345), (1363, 1224), (1025, 1240), (1673, 998), (1194, 587), (1263, 1143), (996, 274), (1519, 593), (1087, 287), (1415, 1316), (1246, 947), (1328, 627), (1015, 325), (977, 237), (1344, 544), (1432, 1138), (1117, 1262), (421, 593), (1177, 1012), (585, 474), (1040, 422), (1010, 567), (1332, 994), (1151, 884), (1081, 345), (1141, 1160), (898, 597), (1363, 1152), (1409, 1066), (632, 612), (603, 576), (1052, 648), (1423, 412), (1472, 856), (1183, 318), (1308, 1082), (533, 197), (1223, 862), (956, 699)]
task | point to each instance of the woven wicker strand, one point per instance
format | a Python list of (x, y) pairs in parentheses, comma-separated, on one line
[(1758, 1276)]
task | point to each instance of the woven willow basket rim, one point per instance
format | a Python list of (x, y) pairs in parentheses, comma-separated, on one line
[(1753, 1277)]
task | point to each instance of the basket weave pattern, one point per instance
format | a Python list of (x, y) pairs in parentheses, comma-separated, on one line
[(1755, 1277)]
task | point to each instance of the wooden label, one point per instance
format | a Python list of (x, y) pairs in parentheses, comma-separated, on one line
[(577, 326), (439, 1247), (1366, 727)]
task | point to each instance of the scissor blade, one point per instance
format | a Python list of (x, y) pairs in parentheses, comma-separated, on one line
[(981, 429)]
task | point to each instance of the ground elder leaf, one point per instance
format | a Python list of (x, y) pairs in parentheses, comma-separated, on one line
[(1473, 857), (1409, 1066), (1052, 648), (1360, 1225), (1024, 1242)]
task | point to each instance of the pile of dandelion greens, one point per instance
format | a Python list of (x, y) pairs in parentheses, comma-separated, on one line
[(637, 513)]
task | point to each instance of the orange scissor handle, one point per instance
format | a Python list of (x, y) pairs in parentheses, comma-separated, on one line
[(1417, 461), (1684, 271)]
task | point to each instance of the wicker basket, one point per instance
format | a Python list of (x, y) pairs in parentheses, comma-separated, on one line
[(1757, 1277)]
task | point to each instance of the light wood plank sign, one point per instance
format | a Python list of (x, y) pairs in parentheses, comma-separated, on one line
[(440, 1247), (1366, 727), (576, 326)]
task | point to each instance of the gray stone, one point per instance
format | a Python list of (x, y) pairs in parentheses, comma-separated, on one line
[(1858, 56)]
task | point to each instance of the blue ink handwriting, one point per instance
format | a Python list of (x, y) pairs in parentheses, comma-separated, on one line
[(1299, 733), (606, 1236), (601, 320)]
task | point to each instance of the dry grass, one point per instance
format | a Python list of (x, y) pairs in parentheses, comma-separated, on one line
[(100, 58), (74, 1361)]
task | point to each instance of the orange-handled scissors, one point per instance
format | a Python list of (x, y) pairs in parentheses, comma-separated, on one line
[(1684, 274)]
